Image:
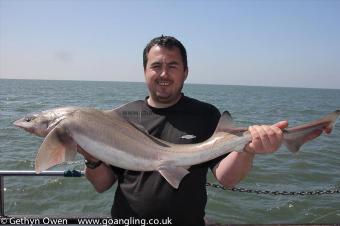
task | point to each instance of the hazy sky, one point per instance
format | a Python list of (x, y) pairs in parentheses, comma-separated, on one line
[(269, 42)]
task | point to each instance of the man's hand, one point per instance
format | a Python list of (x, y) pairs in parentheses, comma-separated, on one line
[(266, 139), (102, 177)]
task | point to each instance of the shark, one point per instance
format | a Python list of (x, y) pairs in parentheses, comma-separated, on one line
[(116, 141)]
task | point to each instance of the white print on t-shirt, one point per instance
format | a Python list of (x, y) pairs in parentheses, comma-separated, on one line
[(188, 136)]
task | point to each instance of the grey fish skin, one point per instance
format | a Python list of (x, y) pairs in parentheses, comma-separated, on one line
[(115, 141), (41, 123)]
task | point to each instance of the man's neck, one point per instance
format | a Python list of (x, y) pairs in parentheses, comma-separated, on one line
[(157, 104)]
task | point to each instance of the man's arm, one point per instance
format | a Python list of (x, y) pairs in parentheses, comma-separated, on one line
[(102, 177), (236, 166)]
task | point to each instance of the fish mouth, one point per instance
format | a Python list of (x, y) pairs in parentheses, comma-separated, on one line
[(19, 123)]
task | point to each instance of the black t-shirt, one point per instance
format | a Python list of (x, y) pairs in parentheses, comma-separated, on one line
[(148, 195)]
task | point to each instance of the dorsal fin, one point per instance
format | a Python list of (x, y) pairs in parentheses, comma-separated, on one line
[(226, 124)]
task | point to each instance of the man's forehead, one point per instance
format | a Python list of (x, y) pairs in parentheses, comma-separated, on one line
[(164, 54)]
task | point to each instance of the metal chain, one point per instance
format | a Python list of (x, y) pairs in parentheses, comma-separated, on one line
[(266, 192)]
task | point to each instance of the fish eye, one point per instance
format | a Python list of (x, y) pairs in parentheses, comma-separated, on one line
[(28, 119)]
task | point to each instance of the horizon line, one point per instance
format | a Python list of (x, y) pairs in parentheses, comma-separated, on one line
[(189, 83)]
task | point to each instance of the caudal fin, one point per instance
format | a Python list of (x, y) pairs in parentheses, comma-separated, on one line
[(295, 137)]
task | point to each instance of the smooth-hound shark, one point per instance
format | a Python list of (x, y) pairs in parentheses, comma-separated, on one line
[(114, 140)]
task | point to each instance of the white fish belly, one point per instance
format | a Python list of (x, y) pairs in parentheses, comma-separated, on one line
[(115, 157), (204, 155)]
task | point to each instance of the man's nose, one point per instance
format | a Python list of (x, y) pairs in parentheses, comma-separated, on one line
[(164, 72)]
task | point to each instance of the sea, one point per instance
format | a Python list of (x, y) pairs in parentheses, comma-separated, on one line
[(315, 167)]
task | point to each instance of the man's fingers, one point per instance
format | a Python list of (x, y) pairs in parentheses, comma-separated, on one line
[(272, 138), (264, 131), (256, 139), (328, 130), (281, 124), (265, 138)]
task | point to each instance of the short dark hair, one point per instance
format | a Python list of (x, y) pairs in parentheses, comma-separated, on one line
[(167, 42)]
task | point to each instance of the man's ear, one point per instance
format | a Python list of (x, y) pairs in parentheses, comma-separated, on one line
[(186, 72)]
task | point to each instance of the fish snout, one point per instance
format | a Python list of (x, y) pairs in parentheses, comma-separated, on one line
[(23, 124), (20, 123)]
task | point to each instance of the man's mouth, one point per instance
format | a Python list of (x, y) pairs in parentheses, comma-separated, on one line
[(164, 83)]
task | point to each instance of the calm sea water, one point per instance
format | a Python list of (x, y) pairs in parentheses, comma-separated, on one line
[(316, 166)]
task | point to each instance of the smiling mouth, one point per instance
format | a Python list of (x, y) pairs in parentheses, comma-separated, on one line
[(164, 83)]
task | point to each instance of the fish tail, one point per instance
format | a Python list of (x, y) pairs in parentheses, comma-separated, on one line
[(295, 137)]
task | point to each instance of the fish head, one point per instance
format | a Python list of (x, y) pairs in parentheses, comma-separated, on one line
[(41, 123), (36, 123)]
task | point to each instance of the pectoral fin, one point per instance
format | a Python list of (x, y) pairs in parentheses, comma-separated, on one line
[(172, 174), (57, 148), (295, 137)]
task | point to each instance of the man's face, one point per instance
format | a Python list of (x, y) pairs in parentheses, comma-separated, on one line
[(165, 74)]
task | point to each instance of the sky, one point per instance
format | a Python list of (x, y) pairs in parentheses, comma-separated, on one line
[(283, 43)]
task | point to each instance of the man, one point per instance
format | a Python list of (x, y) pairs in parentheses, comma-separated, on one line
[(169, 115)]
